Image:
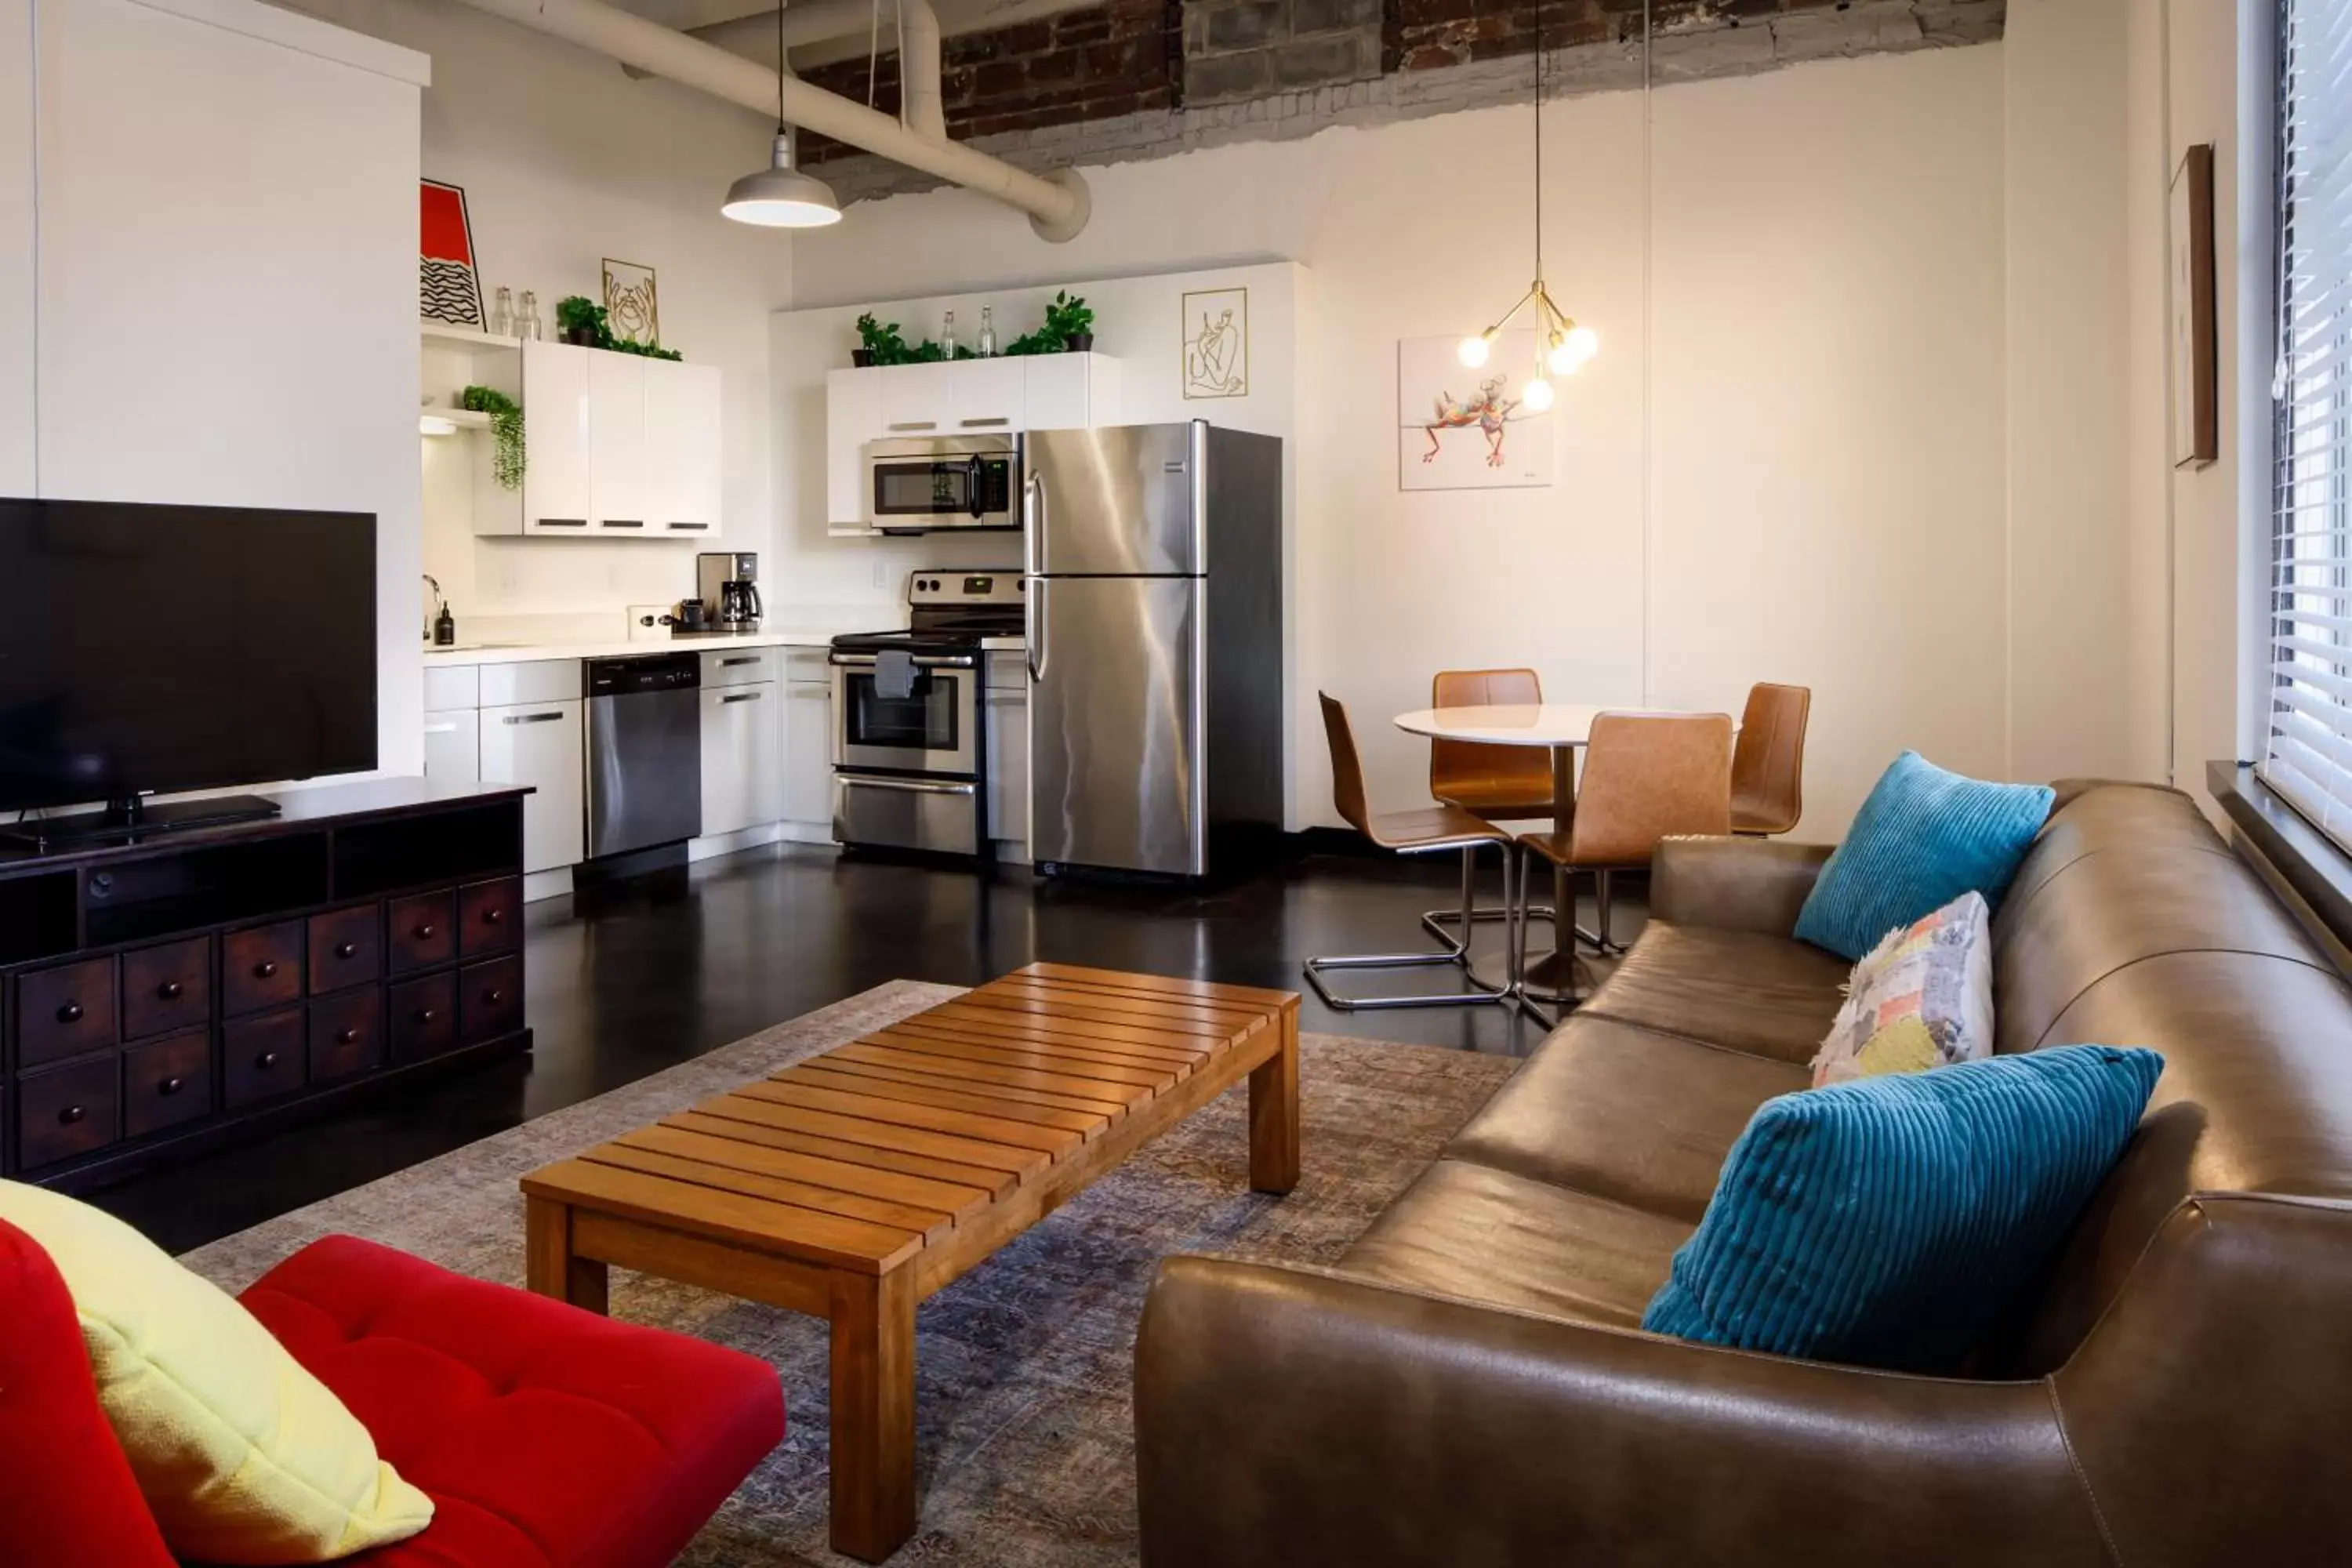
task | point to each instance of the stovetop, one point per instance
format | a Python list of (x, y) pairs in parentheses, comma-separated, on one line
[(952, 612)]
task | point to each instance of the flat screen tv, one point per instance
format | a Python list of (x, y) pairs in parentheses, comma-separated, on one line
[(164, 648)]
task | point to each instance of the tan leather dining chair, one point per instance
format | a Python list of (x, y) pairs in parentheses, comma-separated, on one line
[(1429, 830), (1647, 776), (1768, 769), (1500, 783)]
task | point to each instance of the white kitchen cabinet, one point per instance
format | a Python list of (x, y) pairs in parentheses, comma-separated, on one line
[(539, 744), (853, 414), (987, 395), (1069, 392), (806, 760), (616, 443), (1008, 763), (453, 747), (683, 466), (917, 399), (556, 446), (742, 754)]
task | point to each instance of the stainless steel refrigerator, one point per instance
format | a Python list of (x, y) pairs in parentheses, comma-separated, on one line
[(1153, 565)]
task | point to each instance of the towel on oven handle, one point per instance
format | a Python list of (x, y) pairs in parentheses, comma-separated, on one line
[(894, 675)]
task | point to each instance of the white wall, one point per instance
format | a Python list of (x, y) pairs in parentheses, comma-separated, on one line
[(16, 270), (1803, 479), (565, 160)]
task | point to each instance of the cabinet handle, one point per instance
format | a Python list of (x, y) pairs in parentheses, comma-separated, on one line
[(265, 970), (803, 689), (169, 991), (70, 1013), (425, 1014), (740, 696), (689, 527), (493, 917), (563, 522), (71, 1114), (440, 729), (346, 950), (494, 997), (916, 425), (266, 1061), (530, 717), (171, 1086), (731, 661), (620, 522), (996, 423), (346, 1037), (424, 932)]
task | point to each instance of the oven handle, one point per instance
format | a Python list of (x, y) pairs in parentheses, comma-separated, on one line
[(922, 661), (912, 787)]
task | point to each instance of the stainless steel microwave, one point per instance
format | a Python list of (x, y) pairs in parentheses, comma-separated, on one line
[(919, 484)]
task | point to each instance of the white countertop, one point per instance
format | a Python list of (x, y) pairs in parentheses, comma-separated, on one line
[(525, 653)]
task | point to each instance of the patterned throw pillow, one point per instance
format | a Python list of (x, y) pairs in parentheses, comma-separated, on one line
[(1921, 998)]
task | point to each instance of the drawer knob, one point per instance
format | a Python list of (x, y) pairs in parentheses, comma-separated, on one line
[(71, 1114), (346, 1037), (492, 917), (424, 932), (70, 1013), (265, 970), (346, 949), (172, 1086), (266, 1061), (494, 997), (169, 991), (425, 1014)]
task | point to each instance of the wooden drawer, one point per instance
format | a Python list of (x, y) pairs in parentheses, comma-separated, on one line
[(68, 1110), (421, 931), (346, 1034), (65, 1011), (262, 967), (261, 1056), (167, 987), (346, 949), (424, 1017), (166, 1082), (490, 917), (489, 999)]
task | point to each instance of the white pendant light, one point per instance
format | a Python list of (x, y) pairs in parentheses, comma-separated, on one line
[(1560, 344), (780, 196)]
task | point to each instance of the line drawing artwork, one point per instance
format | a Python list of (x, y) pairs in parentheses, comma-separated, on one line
[(1216, 343), (1462, 428), (631, 307)]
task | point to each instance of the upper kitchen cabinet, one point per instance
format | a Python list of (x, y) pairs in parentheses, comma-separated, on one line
[(616, 446), (965, 398)]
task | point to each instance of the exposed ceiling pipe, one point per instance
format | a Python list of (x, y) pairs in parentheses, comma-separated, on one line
[(919, 49), (1057, 203)]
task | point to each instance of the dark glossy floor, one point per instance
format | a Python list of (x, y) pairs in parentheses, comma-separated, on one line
[(632, 977)]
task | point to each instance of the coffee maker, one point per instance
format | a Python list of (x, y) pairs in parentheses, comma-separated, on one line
[(727, 581)]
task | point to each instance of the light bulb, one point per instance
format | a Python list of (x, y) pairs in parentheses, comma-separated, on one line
[(1537, 395), (1472, 352), (1563, 359), (1583, 342)]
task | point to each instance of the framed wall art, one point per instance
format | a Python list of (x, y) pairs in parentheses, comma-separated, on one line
[(631, 307), (1460, 429), (449, 284), (1216, 343), (2196, 383)]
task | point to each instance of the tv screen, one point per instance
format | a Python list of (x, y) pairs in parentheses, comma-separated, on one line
[(181, 647)]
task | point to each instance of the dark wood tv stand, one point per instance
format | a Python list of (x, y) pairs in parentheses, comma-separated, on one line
[(161, 994)]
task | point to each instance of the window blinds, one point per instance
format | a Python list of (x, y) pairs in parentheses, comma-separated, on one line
[(2308, 758)]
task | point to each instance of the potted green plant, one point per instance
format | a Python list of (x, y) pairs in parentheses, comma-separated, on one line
[(1072, 319), (879, 342), (508, 461), (579, 321)]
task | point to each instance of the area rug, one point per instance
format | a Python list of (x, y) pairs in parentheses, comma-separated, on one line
[(1024, 1440)]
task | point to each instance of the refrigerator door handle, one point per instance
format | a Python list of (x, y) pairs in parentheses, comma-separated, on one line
[(1033, 526), (1035, 637)]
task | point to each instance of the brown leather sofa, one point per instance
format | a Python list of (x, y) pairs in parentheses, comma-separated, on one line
[(1470, 1385)]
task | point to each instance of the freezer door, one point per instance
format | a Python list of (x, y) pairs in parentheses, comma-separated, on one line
[(1123, 500), (1117, 771)]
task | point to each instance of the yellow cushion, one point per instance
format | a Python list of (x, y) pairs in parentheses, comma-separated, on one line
[(243, 1456)]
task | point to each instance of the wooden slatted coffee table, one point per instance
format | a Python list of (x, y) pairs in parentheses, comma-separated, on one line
[(854, 1185)]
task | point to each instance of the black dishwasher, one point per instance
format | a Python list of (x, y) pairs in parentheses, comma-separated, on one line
[(644, 752)]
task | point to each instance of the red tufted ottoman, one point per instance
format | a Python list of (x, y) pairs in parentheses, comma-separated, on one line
[(544, 1434)]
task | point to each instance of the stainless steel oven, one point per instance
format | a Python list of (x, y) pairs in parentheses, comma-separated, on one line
[(923, 483), (926, 720)]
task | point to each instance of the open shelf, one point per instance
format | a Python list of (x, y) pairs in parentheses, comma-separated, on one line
[(468, 340), (457, 418)]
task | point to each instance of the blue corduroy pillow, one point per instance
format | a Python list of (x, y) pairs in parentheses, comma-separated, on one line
[(1924, 838), (1889, 1221)]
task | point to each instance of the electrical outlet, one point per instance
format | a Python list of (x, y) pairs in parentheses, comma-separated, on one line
[(881, 574)]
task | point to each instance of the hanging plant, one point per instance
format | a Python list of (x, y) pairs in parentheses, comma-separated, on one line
[(505, 428)]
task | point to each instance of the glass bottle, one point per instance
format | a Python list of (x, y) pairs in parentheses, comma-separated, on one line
[(947, 335), (986, 347), (502, 314), (527, 323)]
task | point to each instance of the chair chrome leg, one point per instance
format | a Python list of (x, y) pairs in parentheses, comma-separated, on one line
[(1457, 955)]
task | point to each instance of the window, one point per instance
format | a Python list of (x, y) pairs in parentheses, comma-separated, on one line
[(2308, 756)]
